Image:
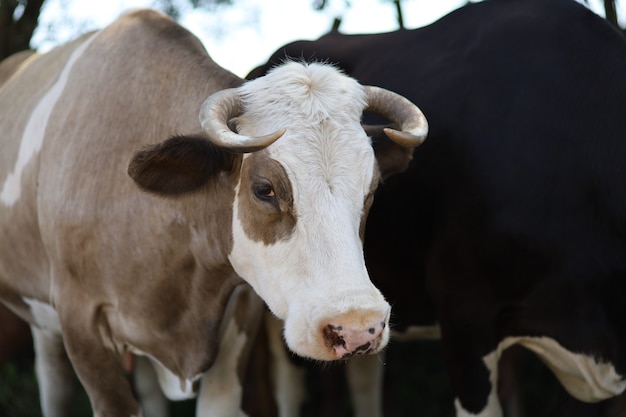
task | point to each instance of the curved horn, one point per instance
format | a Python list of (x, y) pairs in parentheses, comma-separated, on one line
[(215, 113), (401, 112)]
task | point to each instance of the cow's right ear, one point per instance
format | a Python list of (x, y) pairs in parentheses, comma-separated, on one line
[(180, 165), (391, 157)]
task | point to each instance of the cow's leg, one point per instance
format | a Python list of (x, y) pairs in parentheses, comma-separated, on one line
[(474, 377), (14, 333), (287, 378), (365, 380), (479, 398), (509, 384), (221, 390), (89, 345), (492, 406), (54, 373), (152, 399)]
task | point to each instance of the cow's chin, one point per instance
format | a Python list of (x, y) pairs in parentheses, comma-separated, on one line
[(356, 332)]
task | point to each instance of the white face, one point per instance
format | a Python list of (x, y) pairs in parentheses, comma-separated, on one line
[(299, 208), (296, 227)]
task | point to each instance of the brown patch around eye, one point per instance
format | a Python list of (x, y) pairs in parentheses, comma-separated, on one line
[(266, 208)]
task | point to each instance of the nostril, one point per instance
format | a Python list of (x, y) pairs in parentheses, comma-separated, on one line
[(371, 330), (382, 324), (332, 336)]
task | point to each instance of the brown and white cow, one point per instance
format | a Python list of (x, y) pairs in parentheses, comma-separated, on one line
[(272, 184)]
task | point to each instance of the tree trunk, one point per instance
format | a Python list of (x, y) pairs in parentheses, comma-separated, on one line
[(15, 34), (611, 12), (399, 14)]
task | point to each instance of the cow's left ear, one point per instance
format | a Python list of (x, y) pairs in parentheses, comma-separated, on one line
[(392, 158), (180, 165)]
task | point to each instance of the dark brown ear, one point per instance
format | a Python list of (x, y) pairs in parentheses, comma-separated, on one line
[(392, 158), (181, 164)]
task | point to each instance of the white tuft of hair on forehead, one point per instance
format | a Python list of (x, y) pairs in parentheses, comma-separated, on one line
[(302, 94), (321, 109)]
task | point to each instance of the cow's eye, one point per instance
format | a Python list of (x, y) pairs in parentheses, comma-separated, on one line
[(264, 192)]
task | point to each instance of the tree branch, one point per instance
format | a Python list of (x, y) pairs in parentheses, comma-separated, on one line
[(610, 12), (399, 14)]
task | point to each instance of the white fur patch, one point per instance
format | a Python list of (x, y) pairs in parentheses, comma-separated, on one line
[(153, 402), (174, 387), (492, 409), (221, 391), (32, 138), (45, 316), (288, 379), (301, 94), (584, 377), (54, 372), (365, 380)]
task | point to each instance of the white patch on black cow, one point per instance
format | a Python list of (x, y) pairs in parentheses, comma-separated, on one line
[(583, 376)]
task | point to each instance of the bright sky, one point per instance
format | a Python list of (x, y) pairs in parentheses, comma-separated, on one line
[(242, 36)]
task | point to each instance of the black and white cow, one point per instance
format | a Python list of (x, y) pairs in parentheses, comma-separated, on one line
[(513, 215)]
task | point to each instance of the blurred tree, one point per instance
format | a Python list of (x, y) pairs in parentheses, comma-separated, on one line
[(174, 8), (611, 12), (399, 15), (18, 20), (322, 4)]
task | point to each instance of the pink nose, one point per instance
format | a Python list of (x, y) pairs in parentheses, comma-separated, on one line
[(347, 337)]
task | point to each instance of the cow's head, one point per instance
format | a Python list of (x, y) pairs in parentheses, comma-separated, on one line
[(301, 196)]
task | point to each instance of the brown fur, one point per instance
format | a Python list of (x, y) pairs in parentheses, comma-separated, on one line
[(269, 220), (179, 165), (13, 63)]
